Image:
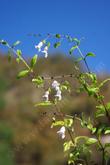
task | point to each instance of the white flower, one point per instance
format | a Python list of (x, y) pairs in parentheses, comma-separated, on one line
[(46, 96), (58, 95), (57, 88), (39, 46), (45, 51), (55, 84), (61, 132), (46, 48)]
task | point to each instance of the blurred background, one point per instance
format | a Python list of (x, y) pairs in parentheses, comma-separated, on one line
[(25, 134)]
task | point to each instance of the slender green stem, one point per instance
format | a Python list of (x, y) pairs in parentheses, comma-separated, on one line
[(107, 113), (83, 59), (69, 132), (21, 58), (103, 150)]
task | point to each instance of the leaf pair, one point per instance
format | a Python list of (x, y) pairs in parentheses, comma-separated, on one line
[(24, 73)]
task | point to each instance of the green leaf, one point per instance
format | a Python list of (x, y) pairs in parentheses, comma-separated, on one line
[(46, 103), (79, 59), (83, 121), (16, 43), (90, 54), (58, 36), (18, 60), (70, 161), (72, 158), (107, 145), (3, 42), (101, 129), (85, 139), (48, 44), (33, 61), (94, 130), (77, 41), (19, 53), (57, 123), (65, 86), (107, 130), (92, 76), (108, 106), (90, 126), (91, 141), (100, 112), (72, 49), (69, 38), (68, 122), (38, 81), (67, 145), (23, 73), (92, 90), (107, 156), (57, 44), (105, 81), (80, 138)]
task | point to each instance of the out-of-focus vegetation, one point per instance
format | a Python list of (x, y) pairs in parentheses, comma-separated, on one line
[(25, 134)]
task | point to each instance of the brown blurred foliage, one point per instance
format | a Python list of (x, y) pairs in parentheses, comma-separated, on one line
[(25, 134)]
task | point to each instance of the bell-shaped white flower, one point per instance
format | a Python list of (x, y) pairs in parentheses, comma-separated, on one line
[(58, 95), (46, 96), (55, 84), (57, 88), (61, 132), (39, 46), (45, 51), (46, 48)]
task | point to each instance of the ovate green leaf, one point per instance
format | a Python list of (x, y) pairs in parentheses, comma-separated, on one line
[(38, 81), (68, 122), (67, 145), (46, 103), (57, 44), (57, 123), (3, 42), (91, 141), (16, 43), (90, 54), (72, 49), (23, 73), (58, 36), (107, 130), (77, 41), (19, 53), (33, 61)]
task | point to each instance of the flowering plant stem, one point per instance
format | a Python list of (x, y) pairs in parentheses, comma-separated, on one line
[(78, 153)]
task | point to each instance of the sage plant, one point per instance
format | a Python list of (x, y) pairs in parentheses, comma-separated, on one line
[(78, 149)]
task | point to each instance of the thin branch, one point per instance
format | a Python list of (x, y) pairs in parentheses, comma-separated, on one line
[(21, 58)]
